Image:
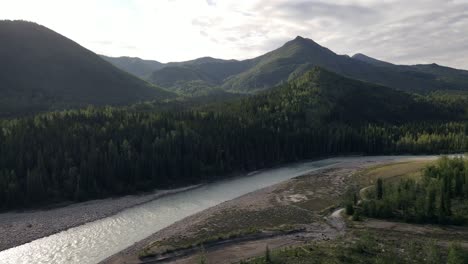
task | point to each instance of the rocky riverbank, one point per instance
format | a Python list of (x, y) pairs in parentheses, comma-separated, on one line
[(17, 228)]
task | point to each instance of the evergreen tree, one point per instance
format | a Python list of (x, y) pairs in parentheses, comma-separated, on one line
[(349, 209), (379, 189), (430, 203), (268, 255)]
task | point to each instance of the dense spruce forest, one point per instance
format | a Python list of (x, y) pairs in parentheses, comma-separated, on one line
[(77, 155), (439, 196)]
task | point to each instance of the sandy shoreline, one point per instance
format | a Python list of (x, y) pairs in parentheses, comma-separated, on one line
[(17, 228)]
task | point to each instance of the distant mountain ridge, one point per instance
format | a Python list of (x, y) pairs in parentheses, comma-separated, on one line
[(136, 66), (298, 56), (41, 70)]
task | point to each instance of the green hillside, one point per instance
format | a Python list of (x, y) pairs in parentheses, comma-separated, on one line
[(321, 95), (41, 70)]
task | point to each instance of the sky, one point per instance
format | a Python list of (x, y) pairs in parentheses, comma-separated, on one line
[(399, 31)]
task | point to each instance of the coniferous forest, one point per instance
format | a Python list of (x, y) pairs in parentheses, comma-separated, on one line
[(438, 197), (77, 155)]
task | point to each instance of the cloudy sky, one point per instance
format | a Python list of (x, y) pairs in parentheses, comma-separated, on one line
[(399, 31)]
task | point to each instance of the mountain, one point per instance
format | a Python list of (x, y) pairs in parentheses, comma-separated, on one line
[(442, 73), (200, 76), (454, 79), (203, 72), (323, 96), (297, 57), (136, 66), (287, 62), (42, 70)]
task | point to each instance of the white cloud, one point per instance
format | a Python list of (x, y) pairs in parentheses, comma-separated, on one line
[(400, 31)]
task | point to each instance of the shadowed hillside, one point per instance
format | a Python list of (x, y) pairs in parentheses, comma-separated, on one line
[(41, 70)]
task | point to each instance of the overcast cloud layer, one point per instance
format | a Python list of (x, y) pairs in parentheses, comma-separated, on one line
[(399, 31)]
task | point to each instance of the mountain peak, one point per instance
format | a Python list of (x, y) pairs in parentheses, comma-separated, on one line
[(303, 40), (359, 55), (299, 38), (301, 43)]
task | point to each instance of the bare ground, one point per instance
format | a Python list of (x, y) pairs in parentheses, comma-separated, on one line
[(443, 234)]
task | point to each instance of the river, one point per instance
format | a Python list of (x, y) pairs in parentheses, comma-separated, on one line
[(95, 241)]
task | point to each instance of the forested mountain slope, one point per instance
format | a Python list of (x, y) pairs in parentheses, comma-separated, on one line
[(92, 153), (324, 96), (42, 70)]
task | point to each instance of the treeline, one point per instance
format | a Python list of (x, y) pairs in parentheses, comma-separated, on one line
[(79, 155), (440, 196), (93, 153)]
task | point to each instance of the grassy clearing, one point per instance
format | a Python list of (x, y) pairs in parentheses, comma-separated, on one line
[(390, 172), (363, 181)]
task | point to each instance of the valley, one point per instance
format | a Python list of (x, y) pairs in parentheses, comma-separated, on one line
[(292, 154)]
